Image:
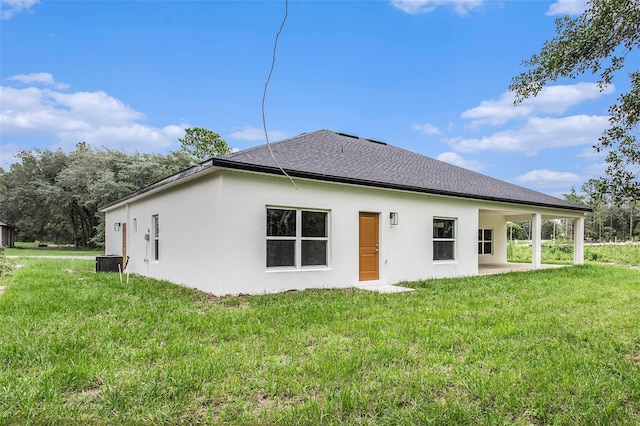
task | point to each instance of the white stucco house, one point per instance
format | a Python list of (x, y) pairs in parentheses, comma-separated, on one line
[(361, 212)]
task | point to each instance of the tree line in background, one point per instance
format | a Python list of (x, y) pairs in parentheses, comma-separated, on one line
[(54, 196), (609, 221)]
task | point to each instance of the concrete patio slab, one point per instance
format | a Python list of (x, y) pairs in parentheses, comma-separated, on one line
[(502, 268)]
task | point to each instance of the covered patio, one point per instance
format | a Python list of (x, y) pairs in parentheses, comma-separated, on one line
[(493, 238)]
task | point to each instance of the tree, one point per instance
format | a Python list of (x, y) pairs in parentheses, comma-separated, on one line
[(573, 197), (549, 230), (54, 196), (596, 198), (27, 191), (202, 144), (515, 231), (597, 42), (518, 231)]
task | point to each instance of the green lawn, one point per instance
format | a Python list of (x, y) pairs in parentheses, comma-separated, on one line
[(32, 249), (552, 253), (546, 347)]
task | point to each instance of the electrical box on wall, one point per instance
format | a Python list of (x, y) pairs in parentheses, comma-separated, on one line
[(146, 237)]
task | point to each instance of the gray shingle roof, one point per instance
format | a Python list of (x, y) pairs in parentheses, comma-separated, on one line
[(337, 157), (330, 156)]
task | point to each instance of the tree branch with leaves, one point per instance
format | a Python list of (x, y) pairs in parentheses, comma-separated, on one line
[(201, 144), (601, 41)]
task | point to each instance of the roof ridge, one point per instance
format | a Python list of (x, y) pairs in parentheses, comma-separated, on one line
[(264, 145)]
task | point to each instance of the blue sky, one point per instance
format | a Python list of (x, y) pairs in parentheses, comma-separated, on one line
[(430, 76)]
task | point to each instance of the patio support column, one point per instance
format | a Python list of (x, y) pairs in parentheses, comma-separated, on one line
[(578, 241), (536, 241)]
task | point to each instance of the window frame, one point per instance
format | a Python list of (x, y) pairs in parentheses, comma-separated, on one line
[(298, 239), (482, 241), (453, 239), (155, 233)]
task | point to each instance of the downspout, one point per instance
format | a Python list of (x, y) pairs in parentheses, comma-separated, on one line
[(125, 238)]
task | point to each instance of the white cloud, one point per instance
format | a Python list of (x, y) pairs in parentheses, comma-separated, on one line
[(414, 7), (567, 7), (38, 78), (591, 153), (95, 107), (595, 170), (496, 111), (8, 8), (457, 160), (94, 117), (257, 134), (551, 100), (425, 129), (538, 134), (8, 152), (130, 134), (34, 109), (548, 178)]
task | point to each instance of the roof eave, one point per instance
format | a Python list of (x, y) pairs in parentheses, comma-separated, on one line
[(225, 163)]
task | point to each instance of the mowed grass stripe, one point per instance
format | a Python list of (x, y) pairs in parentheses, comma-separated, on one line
[(554, 346)]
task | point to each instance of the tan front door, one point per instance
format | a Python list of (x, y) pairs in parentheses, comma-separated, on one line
[(369, 247)]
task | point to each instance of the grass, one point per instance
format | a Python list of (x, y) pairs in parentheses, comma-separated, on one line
[(31, 249), (545, 347), (552, 253)]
